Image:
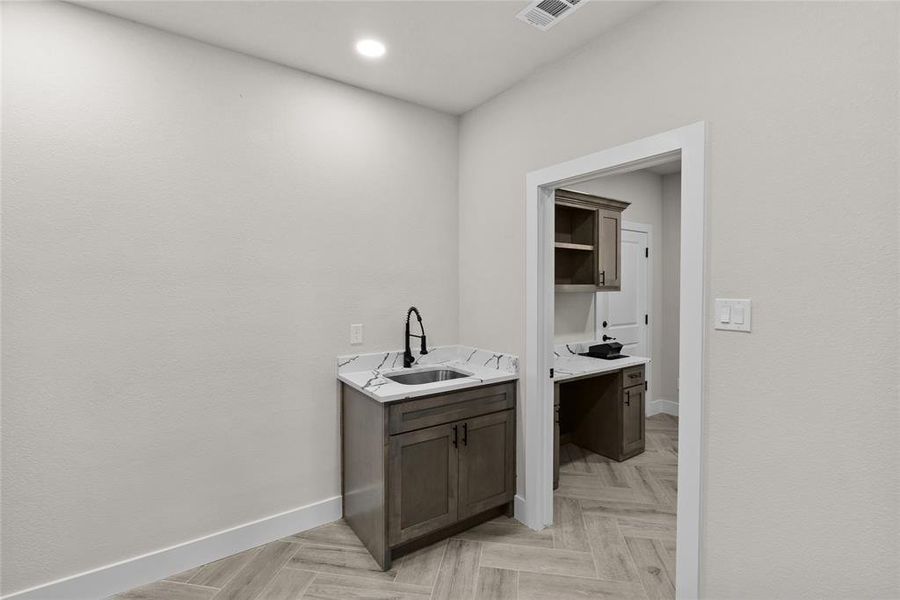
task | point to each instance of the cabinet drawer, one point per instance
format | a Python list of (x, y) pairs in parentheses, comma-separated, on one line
[(633, 376), (435, 410)]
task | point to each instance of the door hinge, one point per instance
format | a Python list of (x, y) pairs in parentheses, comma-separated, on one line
[(647, 252), (551, 373), (646, 319)]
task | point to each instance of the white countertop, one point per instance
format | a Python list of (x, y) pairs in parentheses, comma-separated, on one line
[(365, 372), (568, 364)]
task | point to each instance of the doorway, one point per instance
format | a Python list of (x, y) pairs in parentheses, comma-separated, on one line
[(687, 143)]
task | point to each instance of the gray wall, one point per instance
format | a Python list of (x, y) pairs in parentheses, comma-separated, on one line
[(799, 448), (187, 235), (670, 260)]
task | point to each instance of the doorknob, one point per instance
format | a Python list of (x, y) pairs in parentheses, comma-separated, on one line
[(606, 337)]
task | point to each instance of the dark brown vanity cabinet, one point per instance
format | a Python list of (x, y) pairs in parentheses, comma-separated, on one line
[(416, 470), (587, 243), (603, 413)]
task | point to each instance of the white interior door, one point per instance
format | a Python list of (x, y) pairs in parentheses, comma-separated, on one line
[(623, 315)]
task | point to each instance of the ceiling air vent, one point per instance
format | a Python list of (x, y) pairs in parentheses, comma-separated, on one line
[(544, 14)]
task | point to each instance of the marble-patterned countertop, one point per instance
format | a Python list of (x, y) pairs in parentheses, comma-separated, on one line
[(568, 364), (365, 372)]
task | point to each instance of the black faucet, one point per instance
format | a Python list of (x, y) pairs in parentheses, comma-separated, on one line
[(407, 353)]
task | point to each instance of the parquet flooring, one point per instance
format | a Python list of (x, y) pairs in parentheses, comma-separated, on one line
[(613, 538)]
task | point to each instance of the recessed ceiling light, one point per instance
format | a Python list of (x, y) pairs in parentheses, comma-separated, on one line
[(370, 48)]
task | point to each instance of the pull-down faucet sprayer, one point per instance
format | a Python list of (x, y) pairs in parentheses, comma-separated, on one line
[(407, 353)]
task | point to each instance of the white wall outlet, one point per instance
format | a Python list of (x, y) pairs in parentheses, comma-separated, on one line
[(356, 334), (733, 314)]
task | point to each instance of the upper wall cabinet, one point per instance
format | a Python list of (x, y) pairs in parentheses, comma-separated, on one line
[(588, 242)]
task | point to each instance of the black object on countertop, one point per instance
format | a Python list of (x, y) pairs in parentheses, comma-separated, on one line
[(608, 351)]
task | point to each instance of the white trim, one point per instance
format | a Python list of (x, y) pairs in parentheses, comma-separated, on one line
[(153, 566), (518, 506), (690, 144), (661, 406)]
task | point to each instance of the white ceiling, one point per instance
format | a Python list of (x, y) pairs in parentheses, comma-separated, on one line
[(450, 56)]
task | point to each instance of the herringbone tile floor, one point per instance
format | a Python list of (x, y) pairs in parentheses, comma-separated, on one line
[(613, 537)]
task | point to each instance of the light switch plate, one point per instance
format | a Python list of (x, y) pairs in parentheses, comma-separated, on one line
[(356, 334), (733, 314)]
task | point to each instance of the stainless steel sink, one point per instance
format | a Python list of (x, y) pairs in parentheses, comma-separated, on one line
[(426, 376)]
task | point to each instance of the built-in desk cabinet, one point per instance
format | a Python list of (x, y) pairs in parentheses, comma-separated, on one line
[(587, 243), (420, 469), (603, 413)]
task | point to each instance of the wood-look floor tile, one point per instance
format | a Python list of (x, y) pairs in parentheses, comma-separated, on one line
[(669, 545), (496, 584), (336, 533), (288, 584), (421, 567), (651, 567), (630, 510), (217, 574), (258, 572), (456, 579), (668, 559), (167, 590), (641, 528), (340, 560), (585, 486), (644, 485), (568, 525), (508, 532), (533, 586), (184, 576), (655, 457), (573, 459), (538, 560), (611, 554), (327, 586)]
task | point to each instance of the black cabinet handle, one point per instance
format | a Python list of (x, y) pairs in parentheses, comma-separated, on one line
[(603, 277), (627, 398), (465, 434), (455, 437)]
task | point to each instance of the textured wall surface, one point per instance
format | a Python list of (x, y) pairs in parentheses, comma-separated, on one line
[(800, 446), (187, 235)]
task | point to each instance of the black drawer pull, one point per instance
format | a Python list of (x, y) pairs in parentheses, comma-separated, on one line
[(465, 434), (455, 437), (627, 397)]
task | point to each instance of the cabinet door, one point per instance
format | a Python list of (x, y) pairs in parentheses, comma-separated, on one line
[(633, 420), (487, 462), (609, 225), (423, 481)]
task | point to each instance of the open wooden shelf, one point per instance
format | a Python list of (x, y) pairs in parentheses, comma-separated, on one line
[(587, 242), (567, 246)]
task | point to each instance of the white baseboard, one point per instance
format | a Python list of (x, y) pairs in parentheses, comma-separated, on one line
[(655, 407), (124, 575)]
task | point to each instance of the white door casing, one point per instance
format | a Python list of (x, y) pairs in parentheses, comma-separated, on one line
[(535, 509)]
